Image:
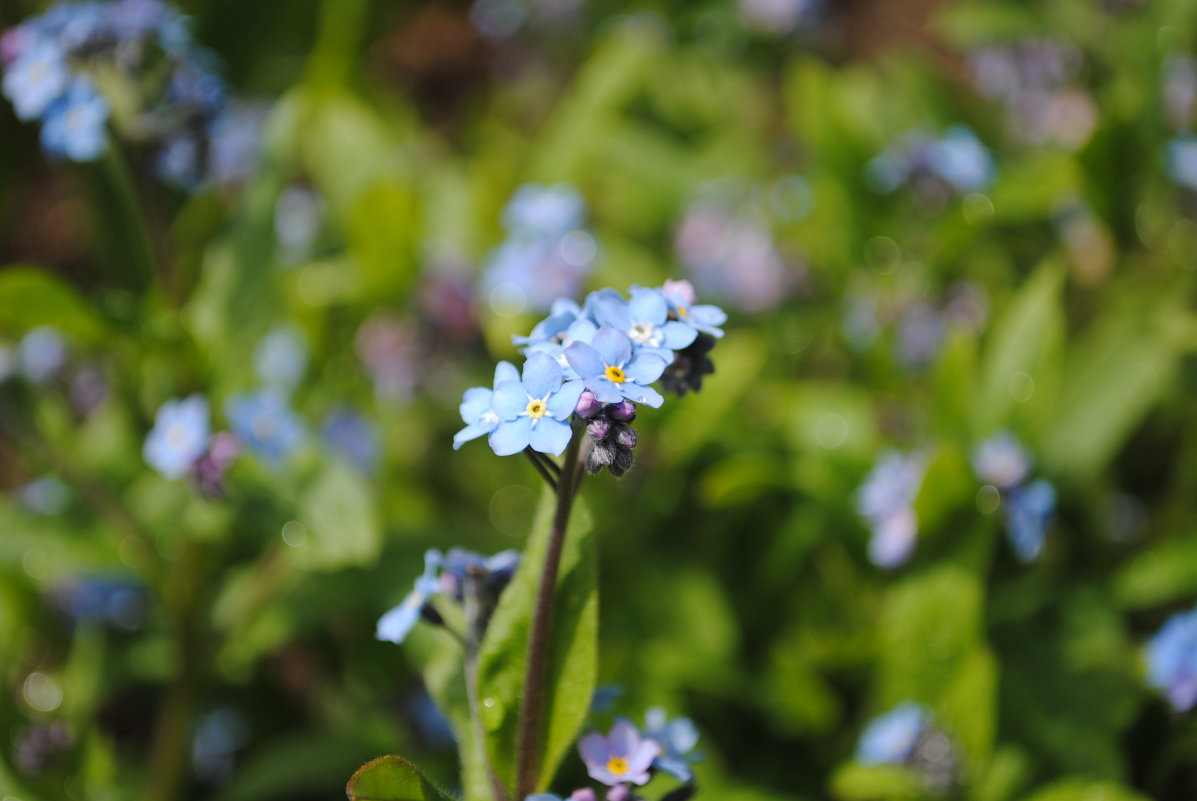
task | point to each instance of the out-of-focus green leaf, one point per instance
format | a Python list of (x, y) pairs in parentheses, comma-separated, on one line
[(855, 782), (970, 705), (31, 296), (573, 653), (338, 511), (1165, 573), (1079, 789)]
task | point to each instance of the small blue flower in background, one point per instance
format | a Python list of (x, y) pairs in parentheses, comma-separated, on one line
[(235, 142), (891, 738), (534, 412), (1001, 461), (1029, 512), (683, 303), (645, 320), (265, 423), (102, 601), (732, 256), (475, 409), (353, 437), (886, 500), (622, 756), (677, 738), (395, 625), (41, 353), (1182, 161), (960, 159), (281, 357), (179, 436), (46, 495), (37, 78), (1172, 660), (544, 211), (494, 571), (612, 373), (75, 124)]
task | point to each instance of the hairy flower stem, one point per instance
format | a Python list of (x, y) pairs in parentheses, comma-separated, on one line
[(527, 754)]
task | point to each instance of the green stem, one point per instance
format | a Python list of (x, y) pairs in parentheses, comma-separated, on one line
[(168, 763), (540, 467), (527, 753), (472, 642), (120, 223)]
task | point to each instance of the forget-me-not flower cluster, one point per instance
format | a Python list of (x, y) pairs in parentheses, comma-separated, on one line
[(957, 160), (1003, 463), (886, 501)]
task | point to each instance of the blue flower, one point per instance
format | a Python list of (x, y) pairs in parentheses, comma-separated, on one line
[(886, 500), (395, 625), (281, 357), (265, 423), (960, 159), (891, 738), (74, 124), (684, 305), (494, 571), (235, 142), (475, 409), (645, 319), (41, 353), (1172, 660), (612, 373), (179, 436), (562, 314), (544, 211), (1029, 512), (622, 756), (37, 78), (1001, 461), (353, 437), (46, 495), (1182, 161), (677, 739), (535, 410)]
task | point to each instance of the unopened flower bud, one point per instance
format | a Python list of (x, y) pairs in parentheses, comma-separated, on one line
[(624, 410), (431, 615), (625, 436), (599, 429), (584, 794), (622, 463), (588, 405), (620, 792)]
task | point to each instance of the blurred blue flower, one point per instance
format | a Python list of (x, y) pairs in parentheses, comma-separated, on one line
[(37, 78), (732, 257), (494, 571), (46, 495), (75, 124), (1182, 161), (41, 353), (265, 423), (395, 625), (1029, 512), (645, 320), (612, 373), (475, 409), (677, 738), (886, 500), (1001, 461), (281, 357), (219, 735), (622, 756), (544, 211), (960, 159), (1172, 660), (102, 601), (355, 438), (534, 412), (179, 436), (235, 141), (891, 738)]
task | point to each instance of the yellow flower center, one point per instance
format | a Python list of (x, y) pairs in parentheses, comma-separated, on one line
[(616, 375), (617, 766), (681, 310), (536, 409)]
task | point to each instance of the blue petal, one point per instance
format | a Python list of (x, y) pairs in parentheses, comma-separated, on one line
[(505, 371), (395, 624), (471, 432), (614, 312), (562, 404), (676, 768), (509, 399), (613, 347), (678, 335), (542, 375), (707, 319), (604, 389), (585, 360), (647, 306), (511, 437), (645, 368), (550, 436), (474, 403), (639, 393)]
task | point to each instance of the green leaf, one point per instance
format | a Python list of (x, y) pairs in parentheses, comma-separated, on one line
[(573, 652), (1160, 575), (855, 782), (1022, 338), (391, 778), (31, 297), (1079, 789), (339, 514)]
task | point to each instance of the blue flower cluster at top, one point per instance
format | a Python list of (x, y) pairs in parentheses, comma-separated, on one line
[(607, 350), (53, 65), (1003, 463)]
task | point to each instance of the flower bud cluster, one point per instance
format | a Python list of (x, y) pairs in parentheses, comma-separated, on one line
[(613, 439)]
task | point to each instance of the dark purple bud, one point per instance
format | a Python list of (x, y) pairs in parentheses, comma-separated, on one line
[(431, 615), (622, 463), (588, 405), (624, 410), (625, 437), (599, 429)]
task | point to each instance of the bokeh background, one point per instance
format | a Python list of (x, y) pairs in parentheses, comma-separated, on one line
[(930, 222)]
